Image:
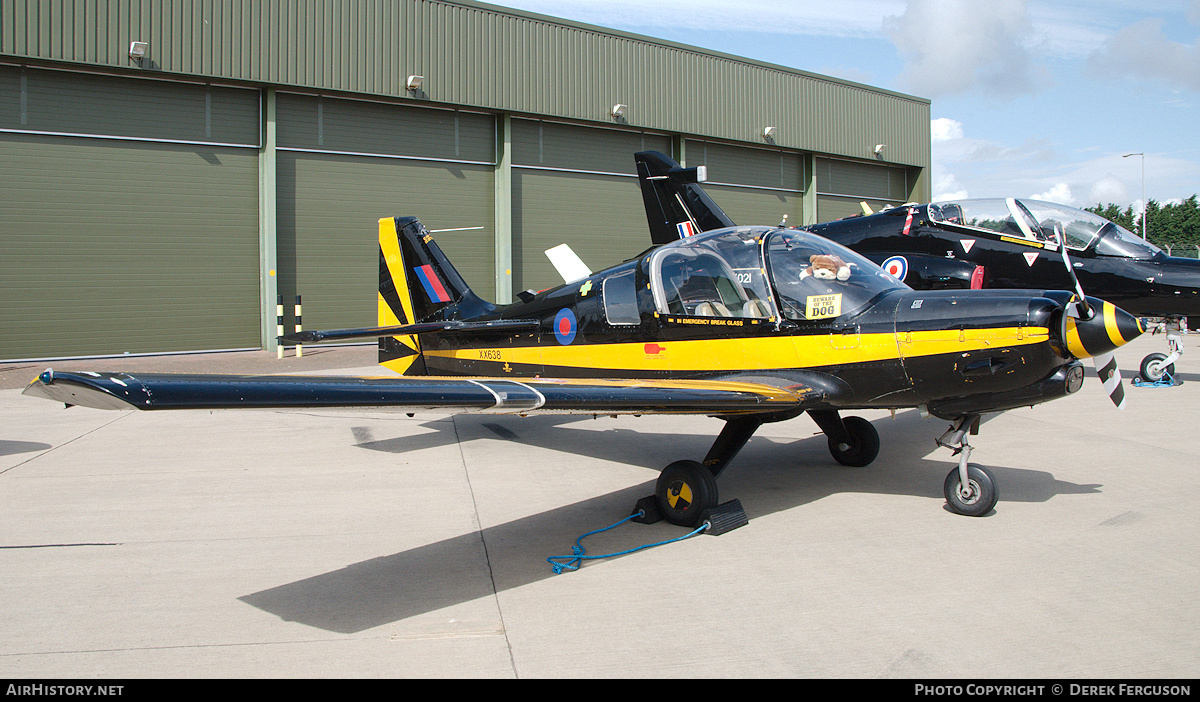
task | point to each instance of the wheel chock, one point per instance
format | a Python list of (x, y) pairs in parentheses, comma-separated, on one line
[(724, 517), (648, 507)]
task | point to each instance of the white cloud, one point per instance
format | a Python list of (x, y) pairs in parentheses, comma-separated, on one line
[(1141, 50), (945, 129), (947, 187), (963, 167), (1059, 192), (1106, 189), (950, 144), (957, 46), (1074, 28)]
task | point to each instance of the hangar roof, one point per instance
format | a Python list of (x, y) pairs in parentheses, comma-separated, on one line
[(474, 55)]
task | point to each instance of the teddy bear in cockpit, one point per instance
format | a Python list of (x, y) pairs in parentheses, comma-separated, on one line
[(825, 267)]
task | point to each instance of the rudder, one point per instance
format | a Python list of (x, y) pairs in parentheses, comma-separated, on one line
[(676, 205), (417, 283)]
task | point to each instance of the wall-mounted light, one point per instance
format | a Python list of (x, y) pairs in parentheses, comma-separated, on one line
[(618, 110), (879, 148), (769, 133), (138, 50), (414, 83)]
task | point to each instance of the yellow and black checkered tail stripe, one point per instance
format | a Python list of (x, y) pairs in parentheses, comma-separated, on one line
[(398, 353)]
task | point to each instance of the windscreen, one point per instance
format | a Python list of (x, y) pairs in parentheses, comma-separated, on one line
[(1081, 229), (717, 274), (995, 215), (818, 279)]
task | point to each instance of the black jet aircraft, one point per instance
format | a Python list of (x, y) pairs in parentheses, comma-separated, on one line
[(730, 323), (984, 243)]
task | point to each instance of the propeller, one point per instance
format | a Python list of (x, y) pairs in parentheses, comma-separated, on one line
[(1112, 323)]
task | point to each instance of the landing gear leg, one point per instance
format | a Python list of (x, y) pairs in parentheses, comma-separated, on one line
[(970, 488), (686, 492), (853, 441)]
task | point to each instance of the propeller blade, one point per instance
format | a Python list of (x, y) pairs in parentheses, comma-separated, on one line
[(1116, 326), (1083, 309), (1110, 375)]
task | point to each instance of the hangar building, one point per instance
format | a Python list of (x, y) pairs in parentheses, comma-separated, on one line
[(168, 167)]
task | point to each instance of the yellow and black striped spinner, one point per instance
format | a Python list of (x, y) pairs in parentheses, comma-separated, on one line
[(1110, 328)]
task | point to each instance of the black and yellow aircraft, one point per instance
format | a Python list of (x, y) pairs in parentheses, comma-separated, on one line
[(981, 243), (731, 323)]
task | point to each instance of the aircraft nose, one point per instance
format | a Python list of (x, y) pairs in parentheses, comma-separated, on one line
[(1110, 327)]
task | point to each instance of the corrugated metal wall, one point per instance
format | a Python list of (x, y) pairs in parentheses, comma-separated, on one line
[(510, 138), (126, 230), (343, 164), (575, 185), (475, 55)]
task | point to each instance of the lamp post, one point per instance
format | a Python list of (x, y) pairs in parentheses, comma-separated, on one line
[(1143, 191)]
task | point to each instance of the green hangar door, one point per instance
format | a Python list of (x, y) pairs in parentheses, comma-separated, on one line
[(128, 215), (842, 187), (753, 186), (575, 185), (342, 165)]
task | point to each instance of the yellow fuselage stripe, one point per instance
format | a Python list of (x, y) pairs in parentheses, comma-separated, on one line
[(747, 353)]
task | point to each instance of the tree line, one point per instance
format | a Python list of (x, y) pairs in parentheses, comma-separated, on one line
[(1174, 228)]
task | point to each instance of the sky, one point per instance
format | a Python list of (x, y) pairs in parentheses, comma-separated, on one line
[(1029, 98)]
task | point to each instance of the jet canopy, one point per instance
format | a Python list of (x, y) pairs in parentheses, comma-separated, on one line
[(764, 272), (1038, 221)]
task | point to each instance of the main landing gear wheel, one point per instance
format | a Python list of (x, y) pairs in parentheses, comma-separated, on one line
[(1153, 370), (979, 496), (863, 446), (684, 490)]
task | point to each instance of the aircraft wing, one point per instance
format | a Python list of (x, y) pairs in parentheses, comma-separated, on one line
[(155, 391)]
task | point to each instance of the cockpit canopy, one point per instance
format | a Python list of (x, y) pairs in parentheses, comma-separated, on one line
[(764, 273), (1041, 221)]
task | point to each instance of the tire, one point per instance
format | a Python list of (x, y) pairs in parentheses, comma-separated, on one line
[(684, 490), (1152, 369), (863, 447), (983, 494)]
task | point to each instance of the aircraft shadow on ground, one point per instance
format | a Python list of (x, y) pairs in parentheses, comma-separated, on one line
[(9, 448), (768, 476)]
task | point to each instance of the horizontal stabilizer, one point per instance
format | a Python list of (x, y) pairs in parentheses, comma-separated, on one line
[(568, 264), (154, 391), (499, 325)]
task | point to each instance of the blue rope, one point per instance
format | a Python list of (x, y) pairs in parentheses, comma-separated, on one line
[(579, 554), (1166, 381)]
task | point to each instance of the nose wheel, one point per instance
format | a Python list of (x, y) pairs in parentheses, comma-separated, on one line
[(1157, 365), (976, 497), (970, 488), (1154, 367)]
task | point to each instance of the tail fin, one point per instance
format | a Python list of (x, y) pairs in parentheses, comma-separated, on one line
[(676, 206), (417, 283)]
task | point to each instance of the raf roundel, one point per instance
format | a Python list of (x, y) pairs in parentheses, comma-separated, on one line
[(565, 326), (896, 266)]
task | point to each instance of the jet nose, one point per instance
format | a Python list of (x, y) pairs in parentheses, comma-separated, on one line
[(1108, 328)]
